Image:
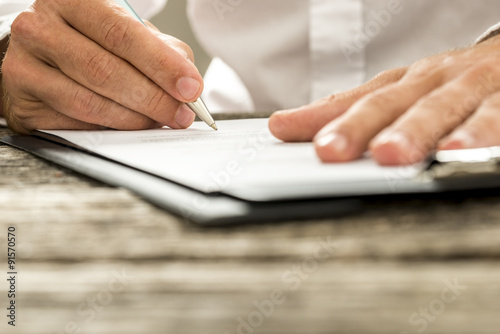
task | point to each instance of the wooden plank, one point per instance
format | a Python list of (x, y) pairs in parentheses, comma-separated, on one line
[(211, 297)]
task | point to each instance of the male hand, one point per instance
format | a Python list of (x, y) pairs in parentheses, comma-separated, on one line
[(89, 64), (447, 101)]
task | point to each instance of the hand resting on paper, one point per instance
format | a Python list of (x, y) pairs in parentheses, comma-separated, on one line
[(447, 101), (89, 64)]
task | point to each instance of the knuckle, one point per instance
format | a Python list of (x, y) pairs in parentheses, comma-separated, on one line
[(380, 100), (450, 60), (487, 123), (115, 34), (335, 103), (330, 99), (186, 49), (24, 26), (487, 66), (100, 69), (158, 104), (391, 75), (88, 104), (160, 67), (451, 112), (427, 72), (431, 67), (177, 45), (436, 103), (440, 101), (174, 42)]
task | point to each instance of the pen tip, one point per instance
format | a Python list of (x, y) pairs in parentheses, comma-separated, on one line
[(214, 126)]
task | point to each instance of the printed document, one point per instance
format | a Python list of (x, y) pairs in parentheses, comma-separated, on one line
[(242, 159)]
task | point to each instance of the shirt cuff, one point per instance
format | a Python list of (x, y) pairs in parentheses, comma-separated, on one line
[(492, 32)]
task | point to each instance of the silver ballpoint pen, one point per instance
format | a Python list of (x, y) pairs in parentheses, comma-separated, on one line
[(199, 107)]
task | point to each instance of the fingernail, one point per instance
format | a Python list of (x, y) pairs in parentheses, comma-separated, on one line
[(396, 148), (188, 88), (185, 116), (458, 140), (398, 138), (285, 112), (333, 141)]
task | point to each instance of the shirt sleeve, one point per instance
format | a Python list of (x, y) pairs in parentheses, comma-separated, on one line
[(492, 32), (10, 9)]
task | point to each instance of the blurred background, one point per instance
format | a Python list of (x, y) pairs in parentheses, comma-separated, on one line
[(173, 21)]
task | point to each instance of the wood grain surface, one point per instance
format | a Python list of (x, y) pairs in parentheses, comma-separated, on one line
[(98, 259)]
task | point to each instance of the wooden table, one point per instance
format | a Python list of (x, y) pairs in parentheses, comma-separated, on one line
[(97, 259)]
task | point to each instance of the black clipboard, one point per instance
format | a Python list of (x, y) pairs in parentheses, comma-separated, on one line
[(189, 204), (447, 171)]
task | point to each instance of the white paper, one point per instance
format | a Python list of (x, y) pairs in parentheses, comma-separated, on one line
[(241, 159)]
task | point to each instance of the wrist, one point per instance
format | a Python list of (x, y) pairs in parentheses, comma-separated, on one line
[(3, 49)]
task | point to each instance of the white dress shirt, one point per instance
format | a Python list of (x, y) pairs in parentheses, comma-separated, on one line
[(288, 53)]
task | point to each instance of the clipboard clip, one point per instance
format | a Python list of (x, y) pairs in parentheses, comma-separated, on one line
[(463, 163)]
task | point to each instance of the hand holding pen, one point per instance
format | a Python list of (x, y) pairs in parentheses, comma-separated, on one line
[(198, 106), (89, 65)]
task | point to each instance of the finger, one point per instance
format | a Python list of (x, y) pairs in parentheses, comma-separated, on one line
[(63, 95), (303, 123), (347, 137), (115, 30), (110, 76), (480, 130), (416, 134)]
